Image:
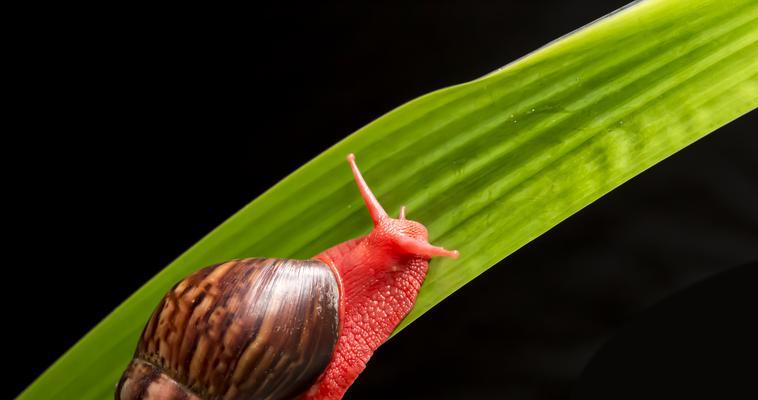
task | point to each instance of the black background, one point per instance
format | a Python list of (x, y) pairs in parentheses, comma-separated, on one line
[(137, 131)]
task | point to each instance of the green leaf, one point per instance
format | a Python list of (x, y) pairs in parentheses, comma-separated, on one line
[(487, 165)]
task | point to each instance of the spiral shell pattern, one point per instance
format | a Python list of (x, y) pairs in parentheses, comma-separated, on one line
[(257, 328)]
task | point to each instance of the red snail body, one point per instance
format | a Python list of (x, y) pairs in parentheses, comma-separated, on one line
[(263, 328)]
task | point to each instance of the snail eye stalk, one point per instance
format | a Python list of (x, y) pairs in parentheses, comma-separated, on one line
[(374, 208), (415, 246)]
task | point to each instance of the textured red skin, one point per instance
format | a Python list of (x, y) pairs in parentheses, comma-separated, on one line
[(379, 275)]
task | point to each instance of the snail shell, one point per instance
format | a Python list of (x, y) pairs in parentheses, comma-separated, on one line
[(257, 328)]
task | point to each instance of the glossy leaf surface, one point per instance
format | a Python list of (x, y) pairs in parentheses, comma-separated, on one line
[(487, 165)]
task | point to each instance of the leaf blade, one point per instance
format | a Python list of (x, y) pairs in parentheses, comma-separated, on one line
[(505, 158)]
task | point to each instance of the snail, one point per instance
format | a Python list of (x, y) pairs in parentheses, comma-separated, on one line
[(267, 328)]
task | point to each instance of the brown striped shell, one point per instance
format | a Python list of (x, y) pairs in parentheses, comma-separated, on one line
[(258, 328)]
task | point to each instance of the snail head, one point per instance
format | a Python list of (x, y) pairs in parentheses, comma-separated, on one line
[(408, 236)]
